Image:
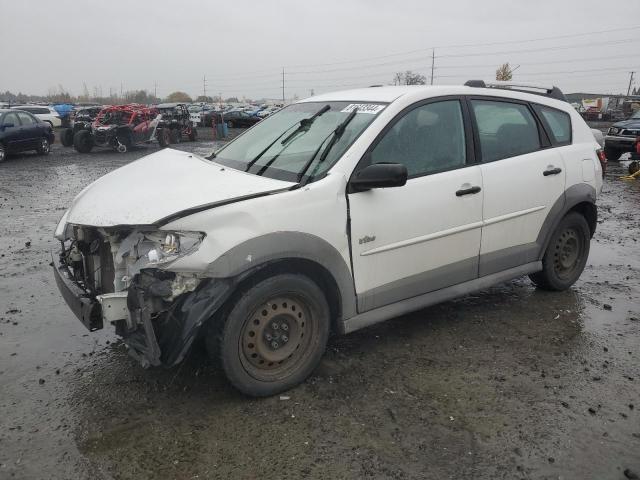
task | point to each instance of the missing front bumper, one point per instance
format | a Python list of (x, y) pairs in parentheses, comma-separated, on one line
[(153, 338), (86, 308)]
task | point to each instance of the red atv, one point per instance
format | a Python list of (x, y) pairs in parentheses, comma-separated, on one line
[(119, 127)]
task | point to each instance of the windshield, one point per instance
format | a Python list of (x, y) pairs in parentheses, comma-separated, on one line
[(278, 147)]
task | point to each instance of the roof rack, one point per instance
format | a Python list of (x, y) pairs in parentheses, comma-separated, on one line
[(547, 91)]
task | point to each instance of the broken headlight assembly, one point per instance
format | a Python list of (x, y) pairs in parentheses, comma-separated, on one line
[(156, 248), (173, 245)]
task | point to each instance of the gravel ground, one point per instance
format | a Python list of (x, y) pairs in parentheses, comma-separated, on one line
[(508, 383)]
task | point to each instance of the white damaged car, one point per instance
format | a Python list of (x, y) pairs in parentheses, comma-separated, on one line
[(335, 213)]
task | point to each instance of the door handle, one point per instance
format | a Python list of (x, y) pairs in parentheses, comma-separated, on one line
[(552, 171), (468, 191)]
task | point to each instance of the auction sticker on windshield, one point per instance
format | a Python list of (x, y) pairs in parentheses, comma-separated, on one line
[(371, 108)]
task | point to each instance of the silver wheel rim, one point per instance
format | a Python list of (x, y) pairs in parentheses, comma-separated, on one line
[(1, 154), (45, 145)]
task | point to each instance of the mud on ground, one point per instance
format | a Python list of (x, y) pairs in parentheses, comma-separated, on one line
[(508, 383)]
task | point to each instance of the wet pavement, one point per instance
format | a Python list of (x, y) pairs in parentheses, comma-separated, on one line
[(508, 383)]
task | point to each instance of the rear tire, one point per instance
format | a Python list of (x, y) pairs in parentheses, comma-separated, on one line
[(66, 137), (566, 255), (230, 124), (634, 167), (83, 141), (273, 336), (612, 154)]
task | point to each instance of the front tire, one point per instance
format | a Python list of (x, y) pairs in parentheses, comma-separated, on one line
[(123, 142), (164, 139), (274, 335), (66, 137), (193, 134), (612, 154), (44, 147), (3, 153), (175, 135), (566, 255), (83, 141)]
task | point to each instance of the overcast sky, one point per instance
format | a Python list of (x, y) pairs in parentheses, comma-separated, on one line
[(242, 46)]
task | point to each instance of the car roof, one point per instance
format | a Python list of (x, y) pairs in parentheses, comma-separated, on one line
[(30, 106), (389, 94), (169, 105)]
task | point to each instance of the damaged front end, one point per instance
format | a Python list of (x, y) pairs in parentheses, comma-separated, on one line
[(121, 276)]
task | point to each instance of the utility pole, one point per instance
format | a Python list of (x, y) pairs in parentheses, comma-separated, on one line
[(204, 85), (282, 84), (433, 62), (630, 82), (155, 89), (120, 89)]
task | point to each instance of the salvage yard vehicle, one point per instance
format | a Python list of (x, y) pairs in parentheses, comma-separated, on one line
[(175, 123), (80, 119), (119, 127), (621, 137), (335, 213), (21, 131), (239, 118), (42, 112)]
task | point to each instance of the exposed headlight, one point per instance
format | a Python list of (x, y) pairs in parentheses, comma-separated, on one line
[(167, 247), (614, 130), (155, 249)]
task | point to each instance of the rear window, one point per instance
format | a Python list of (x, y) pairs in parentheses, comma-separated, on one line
[(557, 122)]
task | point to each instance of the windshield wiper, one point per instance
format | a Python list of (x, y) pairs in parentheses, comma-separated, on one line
[(306, 123), (335, 136), (303, 125)]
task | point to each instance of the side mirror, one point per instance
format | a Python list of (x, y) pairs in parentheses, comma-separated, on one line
[(379, 175)]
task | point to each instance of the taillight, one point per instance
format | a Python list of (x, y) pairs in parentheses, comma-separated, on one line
[(603, 160)]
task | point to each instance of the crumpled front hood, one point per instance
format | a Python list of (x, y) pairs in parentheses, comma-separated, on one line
[(161, 185)]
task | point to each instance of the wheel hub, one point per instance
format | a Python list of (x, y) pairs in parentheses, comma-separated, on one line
[(567, 252), (274, 334)]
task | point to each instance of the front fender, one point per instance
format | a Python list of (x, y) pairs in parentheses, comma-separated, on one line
[(275, 246)]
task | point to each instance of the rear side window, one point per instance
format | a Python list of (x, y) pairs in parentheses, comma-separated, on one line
[(25, 118), (557, 122), (505, 129)]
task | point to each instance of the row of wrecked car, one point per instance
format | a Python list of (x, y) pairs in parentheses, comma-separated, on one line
[(120, 127)]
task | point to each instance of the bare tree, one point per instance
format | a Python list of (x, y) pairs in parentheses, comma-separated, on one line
[(504, 73), (409, 78)]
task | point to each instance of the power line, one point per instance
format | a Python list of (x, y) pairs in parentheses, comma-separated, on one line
[(543, 49), (503, 42), (504, 52)]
